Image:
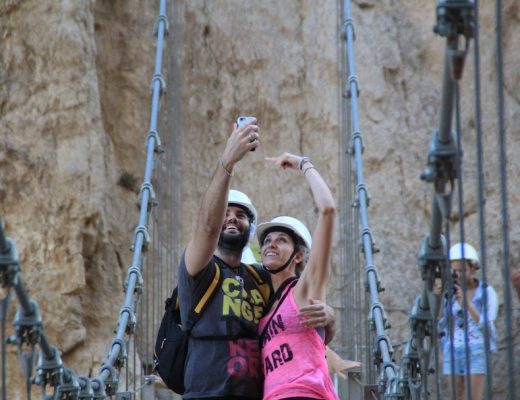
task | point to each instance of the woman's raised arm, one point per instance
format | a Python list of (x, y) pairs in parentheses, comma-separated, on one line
[(316, 273)]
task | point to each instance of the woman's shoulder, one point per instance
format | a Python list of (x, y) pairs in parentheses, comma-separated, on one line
[(487, 287), (487, 290)]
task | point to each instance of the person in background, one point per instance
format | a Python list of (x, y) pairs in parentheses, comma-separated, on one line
[(468, 320)]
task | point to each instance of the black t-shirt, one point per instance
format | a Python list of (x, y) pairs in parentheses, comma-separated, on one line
[(223, 353)]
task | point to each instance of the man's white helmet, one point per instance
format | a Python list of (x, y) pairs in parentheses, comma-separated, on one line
[(290, 223), (241, 199), (464, 251)]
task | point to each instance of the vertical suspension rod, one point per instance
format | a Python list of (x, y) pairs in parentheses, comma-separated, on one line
[(367, 243)]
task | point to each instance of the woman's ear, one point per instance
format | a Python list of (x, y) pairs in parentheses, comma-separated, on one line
[(298, 257)]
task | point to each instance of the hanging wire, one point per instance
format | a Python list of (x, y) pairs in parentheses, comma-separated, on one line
[(480, 190), (349, 289), (449, 303), (134, 351), (462, 233), (4, 307), (503, 199)]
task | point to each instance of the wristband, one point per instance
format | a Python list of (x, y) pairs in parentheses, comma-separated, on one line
[(303, 161)]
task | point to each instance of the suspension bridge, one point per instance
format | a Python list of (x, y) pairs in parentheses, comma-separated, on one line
[(405, 370)]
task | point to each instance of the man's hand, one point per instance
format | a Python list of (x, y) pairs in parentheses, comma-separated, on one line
[(338, 365), (239, 143), (214, 203), (319, 314)]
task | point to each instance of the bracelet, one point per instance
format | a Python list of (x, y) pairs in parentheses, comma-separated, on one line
[(228, 172), (306, 169), (303, 161)]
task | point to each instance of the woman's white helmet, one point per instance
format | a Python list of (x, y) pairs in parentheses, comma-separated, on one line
[(464, 251), (290, 223)]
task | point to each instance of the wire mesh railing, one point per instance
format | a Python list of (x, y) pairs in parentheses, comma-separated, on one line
[(55, 379)]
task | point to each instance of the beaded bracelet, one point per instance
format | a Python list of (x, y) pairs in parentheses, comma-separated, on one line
[(228, 172), (306, 169)]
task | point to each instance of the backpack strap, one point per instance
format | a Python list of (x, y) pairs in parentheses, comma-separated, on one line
[(263, 286), (209, 291), (196, 313)]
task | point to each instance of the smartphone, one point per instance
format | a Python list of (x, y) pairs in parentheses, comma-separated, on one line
[(243, 121)]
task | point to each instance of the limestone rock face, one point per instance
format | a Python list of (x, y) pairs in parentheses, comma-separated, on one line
[(74, 114)]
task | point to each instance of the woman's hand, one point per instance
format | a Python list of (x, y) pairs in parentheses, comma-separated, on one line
[(286, 160), (459, 295)]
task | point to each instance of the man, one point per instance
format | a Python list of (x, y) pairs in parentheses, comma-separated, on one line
[(223, 359)]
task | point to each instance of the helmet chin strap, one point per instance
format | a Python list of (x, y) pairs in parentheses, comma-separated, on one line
[(280, 269)]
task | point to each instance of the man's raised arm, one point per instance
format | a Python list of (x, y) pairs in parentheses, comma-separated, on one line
[(214, 203)]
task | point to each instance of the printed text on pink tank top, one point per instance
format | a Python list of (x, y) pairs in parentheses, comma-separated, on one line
[(280, 356)]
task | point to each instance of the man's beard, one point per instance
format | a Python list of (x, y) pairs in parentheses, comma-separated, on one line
[(233, 243)]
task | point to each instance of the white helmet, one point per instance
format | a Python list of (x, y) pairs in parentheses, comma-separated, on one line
[(248, 257), (290, 223), (464, 251), (241, 199)]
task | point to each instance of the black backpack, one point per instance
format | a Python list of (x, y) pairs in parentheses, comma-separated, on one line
[(171, 344)]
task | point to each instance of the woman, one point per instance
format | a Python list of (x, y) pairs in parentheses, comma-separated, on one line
[(293, 355), (469, 321)]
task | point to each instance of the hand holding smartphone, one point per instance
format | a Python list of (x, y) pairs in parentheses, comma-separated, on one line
[(243, 121)]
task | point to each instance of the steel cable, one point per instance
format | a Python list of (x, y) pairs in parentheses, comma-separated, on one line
[(503, 198), (462, 234), (480, 190)]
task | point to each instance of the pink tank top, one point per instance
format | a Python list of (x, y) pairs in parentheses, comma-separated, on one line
[(293, 357)]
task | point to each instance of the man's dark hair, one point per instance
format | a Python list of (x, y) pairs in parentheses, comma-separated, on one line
[(249, 214)]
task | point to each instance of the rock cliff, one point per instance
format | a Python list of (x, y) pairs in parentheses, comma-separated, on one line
[(74, 113)]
